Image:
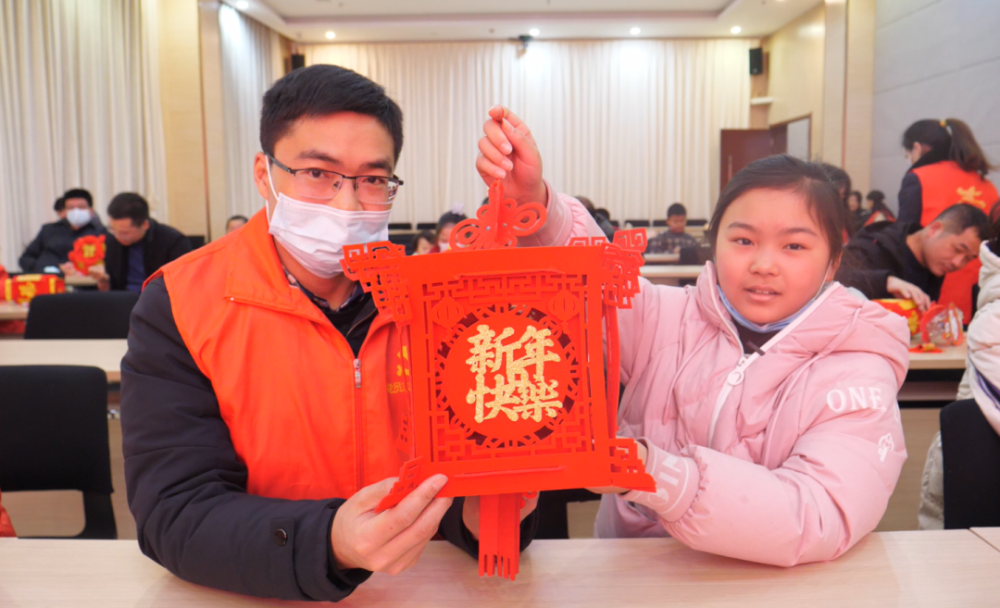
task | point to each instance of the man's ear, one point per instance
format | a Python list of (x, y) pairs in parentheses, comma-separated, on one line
[(260, 176), (934, 229), (145, 225)]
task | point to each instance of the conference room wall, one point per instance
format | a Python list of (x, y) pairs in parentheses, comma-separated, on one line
[(180, 102), (933, 59), (796, 73), (632, 124)]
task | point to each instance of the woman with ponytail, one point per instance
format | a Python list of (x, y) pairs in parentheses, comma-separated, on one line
[(948, 168)]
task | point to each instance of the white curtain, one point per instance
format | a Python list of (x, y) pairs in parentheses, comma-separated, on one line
[(632, 124), (248, 50), (79, 107)]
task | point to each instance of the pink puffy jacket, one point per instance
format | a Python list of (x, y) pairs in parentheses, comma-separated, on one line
[(782, 458)]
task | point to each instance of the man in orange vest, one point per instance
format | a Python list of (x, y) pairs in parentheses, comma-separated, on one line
[(262, 394)]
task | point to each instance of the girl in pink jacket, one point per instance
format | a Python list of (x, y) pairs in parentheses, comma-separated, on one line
[(765, 396)]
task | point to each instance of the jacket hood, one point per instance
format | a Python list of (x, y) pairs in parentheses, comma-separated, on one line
[(989, 276), (837, 321)]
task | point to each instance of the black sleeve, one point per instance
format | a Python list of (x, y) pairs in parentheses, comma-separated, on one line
[(858, 272), (911, 200), (187, 488), (179, 247), (30, 256)]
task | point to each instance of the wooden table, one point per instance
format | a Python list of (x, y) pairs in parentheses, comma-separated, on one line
[(661, 258), (10, 311), (939, 568), (105, 354), (669, 274), (953, 357), (80, 281), (990, 535)]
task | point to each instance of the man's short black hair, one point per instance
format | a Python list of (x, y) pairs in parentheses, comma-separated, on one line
[(60, 204), (959, 218), (321, 90), (676, 209), (78, 193), (129, 205), (242, 218)]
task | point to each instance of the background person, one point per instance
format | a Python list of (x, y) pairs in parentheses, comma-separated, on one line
[(138, 247), (49, 252)]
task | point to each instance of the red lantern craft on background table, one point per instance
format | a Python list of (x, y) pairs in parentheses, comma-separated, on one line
[(509, 391), (24, 287), (87, 251)]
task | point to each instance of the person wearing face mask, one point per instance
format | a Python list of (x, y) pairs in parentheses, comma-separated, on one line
[(49, 251), (138, 246), (947, 167), (262, 393)]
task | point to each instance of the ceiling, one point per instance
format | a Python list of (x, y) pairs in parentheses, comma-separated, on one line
[(308, 21)]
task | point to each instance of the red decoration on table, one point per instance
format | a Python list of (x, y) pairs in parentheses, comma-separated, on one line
[(506, 361), (87, 251), (22, 288)]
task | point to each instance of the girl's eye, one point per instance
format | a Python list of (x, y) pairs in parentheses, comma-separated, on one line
[(796, 247), (743, 241)]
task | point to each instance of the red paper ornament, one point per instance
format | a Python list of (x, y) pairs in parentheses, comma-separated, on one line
[(506, 360), (23, 288), (87, 251)]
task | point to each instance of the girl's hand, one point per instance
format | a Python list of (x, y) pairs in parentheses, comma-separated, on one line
[(507, 151), (908, 291)]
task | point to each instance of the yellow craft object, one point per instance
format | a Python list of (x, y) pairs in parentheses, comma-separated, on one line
[(904, 308)]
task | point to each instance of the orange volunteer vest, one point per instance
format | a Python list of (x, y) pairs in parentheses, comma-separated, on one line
[(942, 185), (307, 419)]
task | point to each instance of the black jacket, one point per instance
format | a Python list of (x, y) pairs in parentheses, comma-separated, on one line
[(161, 245), (54, 242), (911, 195), (878, 252), (187, 488)]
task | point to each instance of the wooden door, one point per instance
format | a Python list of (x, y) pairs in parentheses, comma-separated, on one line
[(740, 147)]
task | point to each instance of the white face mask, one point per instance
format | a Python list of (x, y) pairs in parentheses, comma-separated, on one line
[(77, 217), (315, 234)]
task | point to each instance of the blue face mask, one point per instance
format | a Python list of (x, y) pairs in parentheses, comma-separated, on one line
[(769, 327)]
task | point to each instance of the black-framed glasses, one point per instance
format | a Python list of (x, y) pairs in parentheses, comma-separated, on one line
[(323, 184)]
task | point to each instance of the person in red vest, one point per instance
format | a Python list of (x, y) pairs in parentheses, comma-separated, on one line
[(263, 393), (875, 210), (948, 168)]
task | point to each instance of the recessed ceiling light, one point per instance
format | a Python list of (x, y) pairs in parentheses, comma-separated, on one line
[(331, 35), (635, 31), (534, 31), (243, 5), (736, 29)]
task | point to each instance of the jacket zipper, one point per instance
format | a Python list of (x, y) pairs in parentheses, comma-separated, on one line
[(359, 426), (735, 377)]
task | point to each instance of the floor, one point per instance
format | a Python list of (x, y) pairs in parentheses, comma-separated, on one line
[(61, 513)]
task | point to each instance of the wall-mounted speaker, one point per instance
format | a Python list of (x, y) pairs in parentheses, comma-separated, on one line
[(756, 61), (298, 61)]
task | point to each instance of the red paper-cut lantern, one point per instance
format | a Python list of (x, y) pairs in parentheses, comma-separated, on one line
[(506, 355)]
